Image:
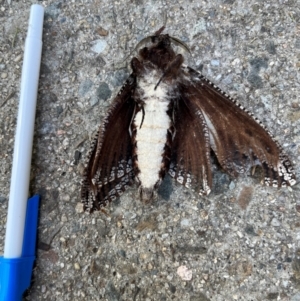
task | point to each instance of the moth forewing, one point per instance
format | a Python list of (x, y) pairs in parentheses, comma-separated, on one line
[(166, 119)]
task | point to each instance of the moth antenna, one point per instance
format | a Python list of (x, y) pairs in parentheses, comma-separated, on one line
[(158, 32), (139, 44), (181, 44), (143, 41), (150, 38)]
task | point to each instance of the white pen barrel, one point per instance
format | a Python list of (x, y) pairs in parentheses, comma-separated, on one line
[(24, 135)]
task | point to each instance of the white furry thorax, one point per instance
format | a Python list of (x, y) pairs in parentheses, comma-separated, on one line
[(146, 84), (152, 136)]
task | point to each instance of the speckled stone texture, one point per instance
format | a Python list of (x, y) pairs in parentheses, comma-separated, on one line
[(240, 243)]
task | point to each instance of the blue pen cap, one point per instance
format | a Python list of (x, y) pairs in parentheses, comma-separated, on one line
[(15, 277), (15, 273)]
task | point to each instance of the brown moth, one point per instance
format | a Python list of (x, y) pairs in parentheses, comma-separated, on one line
[(167, 118)]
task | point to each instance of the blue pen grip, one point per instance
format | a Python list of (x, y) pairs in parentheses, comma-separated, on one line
[(15, 273), (31, 223)]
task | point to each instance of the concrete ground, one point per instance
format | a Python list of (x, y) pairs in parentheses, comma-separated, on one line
[(242, 242)]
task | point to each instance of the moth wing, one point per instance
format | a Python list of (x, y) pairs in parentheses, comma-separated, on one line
[(238, 139), (109, 171), (190, 161)]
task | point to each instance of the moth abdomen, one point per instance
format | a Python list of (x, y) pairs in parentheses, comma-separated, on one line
[(151, 139)]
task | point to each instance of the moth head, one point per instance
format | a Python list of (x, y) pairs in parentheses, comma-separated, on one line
[(160, 53), (163, 41), (160, 41)]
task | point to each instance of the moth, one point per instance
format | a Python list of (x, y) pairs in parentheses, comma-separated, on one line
[(168, 118)]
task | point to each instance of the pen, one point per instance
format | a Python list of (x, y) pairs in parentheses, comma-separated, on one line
[(20, 238)]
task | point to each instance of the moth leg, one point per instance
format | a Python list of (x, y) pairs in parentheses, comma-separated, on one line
[(137, 66), (132, 118), (172, 69), (143, 111)]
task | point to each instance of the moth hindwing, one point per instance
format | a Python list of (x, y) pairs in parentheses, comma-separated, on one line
[(167, 118)]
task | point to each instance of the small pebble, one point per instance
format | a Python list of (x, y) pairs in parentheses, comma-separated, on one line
[(275, 222), (185, 222), (184, 273), (231, 185), (18, 58), (84, 87), (165, 235), (65, 198), (101, 31), (98, 46), (296, 297), (240, 235), (215, 62), (64, 218), (79, 208)]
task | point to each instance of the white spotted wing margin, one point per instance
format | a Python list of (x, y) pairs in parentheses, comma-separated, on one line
[(190, 158), (109, 170), (238, 139)]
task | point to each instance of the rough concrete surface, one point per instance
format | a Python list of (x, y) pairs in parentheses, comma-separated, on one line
[(242, 242)]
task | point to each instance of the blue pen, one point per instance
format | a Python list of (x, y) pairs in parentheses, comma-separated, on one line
[(21, 228)]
